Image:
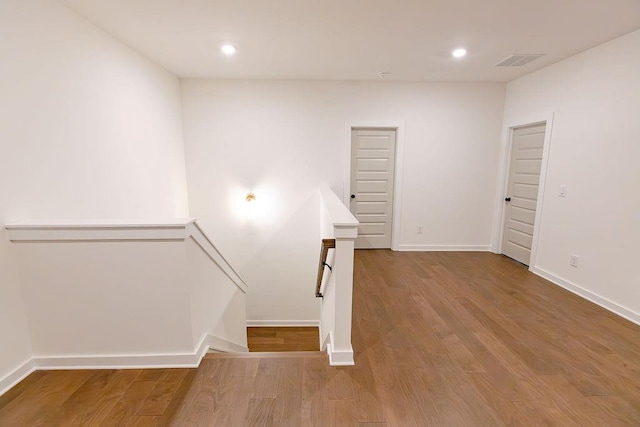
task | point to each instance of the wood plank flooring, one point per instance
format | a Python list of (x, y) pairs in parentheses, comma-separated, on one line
[(283, 339), (440, 339)]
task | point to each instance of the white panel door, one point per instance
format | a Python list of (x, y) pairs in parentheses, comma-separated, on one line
[(372, 163), (522, 192)]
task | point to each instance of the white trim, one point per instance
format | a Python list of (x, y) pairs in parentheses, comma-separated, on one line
[(444, 248), (398, 170), (196, 233), (202, 348), (177, 231), (499, 212), (18, 374), (148, 361), (277, 323), (339, 357), (542, 181), (324, 343), (139, 361), (221, 344), (19, 233), (603, 302), (339, 214)]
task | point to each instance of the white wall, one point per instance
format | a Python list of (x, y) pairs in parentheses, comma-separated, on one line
[(101, 298), (218, 306), (88, 129), (15, 342), (285, 139), (126, 294), (594, 151)]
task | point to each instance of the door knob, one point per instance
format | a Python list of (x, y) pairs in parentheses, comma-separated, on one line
[(507, 199), (353, 196)]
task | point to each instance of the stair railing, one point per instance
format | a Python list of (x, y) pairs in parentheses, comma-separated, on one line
[(324, 251)]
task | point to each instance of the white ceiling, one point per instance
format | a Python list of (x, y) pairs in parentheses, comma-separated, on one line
[(355, 39)]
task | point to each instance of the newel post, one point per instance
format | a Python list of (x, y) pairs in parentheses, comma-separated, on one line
[(342, 351)]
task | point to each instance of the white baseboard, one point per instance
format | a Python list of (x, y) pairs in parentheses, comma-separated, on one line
[(324, 344), (444, 248), (138, 361), (339, 357), (18, 374), (133, 361), (146, 361), (594, 298), (276, 323), (226, 346)]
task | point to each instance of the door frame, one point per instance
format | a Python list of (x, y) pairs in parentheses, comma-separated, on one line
[(398, 126), (505, 168)]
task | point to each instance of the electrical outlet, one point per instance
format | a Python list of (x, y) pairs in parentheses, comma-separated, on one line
[(420, 229), (575, 260)]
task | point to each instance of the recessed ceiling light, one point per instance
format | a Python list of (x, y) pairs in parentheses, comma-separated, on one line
[(228, 49), (459, 53), (384, 74)]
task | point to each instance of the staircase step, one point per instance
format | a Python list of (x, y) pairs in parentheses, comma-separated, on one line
[(283, 338), (266, 355)]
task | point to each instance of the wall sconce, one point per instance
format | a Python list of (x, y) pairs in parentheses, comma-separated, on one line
[(251, 197)]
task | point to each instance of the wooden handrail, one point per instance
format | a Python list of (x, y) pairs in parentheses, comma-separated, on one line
[(324, 250)]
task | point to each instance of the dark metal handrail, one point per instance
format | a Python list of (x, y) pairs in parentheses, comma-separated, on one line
[(324, 250)]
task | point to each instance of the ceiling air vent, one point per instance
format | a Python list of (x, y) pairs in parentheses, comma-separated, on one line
[(518, 60)]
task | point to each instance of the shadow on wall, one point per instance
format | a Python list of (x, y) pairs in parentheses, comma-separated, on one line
[(14, 331), (281, 274)]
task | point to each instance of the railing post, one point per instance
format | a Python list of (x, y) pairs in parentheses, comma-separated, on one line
[(338, 224), (341, 352)]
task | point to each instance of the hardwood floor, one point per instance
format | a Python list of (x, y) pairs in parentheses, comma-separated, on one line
[(440, 339), (283, 339)]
